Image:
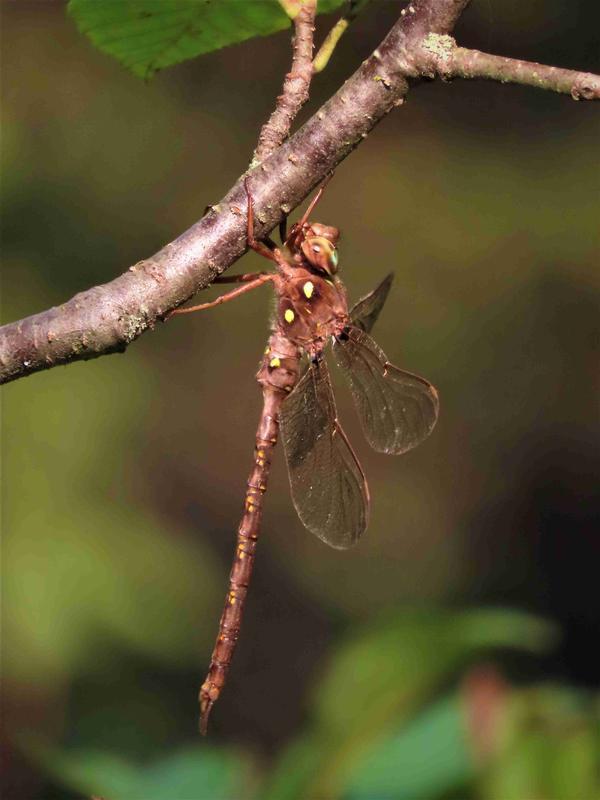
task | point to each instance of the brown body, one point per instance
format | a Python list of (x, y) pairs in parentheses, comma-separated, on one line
[(276, 382), (329, 490), (310, 309)]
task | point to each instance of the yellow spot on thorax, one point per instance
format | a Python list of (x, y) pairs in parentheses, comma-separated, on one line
[(308, 289), (289, 316), (232, 598), (275, 362)]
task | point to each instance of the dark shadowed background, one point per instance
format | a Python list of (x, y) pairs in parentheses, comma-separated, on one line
[(124, 476)]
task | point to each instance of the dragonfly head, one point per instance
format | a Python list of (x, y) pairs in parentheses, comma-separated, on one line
[(319, 247)]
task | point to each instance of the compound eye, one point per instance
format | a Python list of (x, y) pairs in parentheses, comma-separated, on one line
[(321, 253), (325, 231)]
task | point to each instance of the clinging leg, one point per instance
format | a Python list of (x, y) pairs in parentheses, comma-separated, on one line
[(255, 244), (311, 207), (244, 278), (265, 277), (283, 230)]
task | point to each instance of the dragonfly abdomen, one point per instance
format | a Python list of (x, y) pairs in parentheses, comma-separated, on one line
[(277, 375)]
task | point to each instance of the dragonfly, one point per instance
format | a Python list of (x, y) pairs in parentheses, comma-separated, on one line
[(397, 409)]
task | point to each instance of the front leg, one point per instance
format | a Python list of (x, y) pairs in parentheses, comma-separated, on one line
[(255, 244), (257, 281), (245, 278)]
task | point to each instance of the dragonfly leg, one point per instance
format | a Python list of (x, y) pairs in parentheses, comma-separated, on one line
[(255, 244), (311, 207), (245, 278), (265, 277), (283, 230)]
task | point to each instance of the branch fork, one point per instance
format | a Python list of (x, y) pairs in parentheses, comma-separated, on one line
[(440, 56)]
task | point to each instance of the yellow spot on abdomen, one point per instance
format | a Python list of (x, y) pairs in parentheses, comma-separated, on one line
[(289, 316), (232, 598), (308, 289), (275, 362)]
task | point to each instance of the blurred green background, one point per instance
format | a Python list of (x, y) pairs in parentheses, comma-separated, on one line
[(392, 670)]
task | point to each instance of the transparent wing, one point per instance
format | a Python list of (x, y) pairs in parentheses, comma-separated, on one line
[(328, 485), (365, 313), (397, 409)]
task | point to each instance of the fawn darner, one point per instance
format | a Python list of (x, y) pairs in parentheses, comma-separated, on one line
[(397, 409)]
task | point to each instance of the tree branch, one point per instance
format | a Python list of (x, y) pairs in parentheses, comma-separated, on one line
[(433, 16), (107, 318), (444, 58), (295, 86)]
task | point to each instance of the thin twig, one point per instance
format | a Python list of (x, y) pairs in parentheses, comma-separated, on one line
[(295, 86), (325, 52), (447, 60)]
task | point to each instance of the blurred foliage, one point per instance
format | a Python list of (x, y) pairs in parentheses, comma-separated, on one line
[(382, 677), (380, 729), (549, 747), (148, 35), (186, 775), (78, 572), (427, 758), (123, 477), (542, 742)]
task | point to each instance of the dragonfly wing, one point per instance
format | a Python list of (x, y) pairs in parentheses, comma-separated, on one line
[(365, 313), (397, 409), (328, 486)]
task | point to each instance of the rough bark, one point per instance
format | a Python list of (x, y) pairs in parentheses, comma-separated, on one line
[(295, 86), (449, 61)]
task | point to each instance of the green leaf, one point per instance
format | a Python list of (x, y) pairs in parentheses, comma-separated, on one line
[(381, 673), (549, 748), (148, 35), (195, 772), (424, 760), (380, 678)]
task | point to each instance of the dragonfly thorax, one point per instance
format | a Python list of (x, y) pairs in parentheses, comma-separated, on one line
[(310, 309)]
